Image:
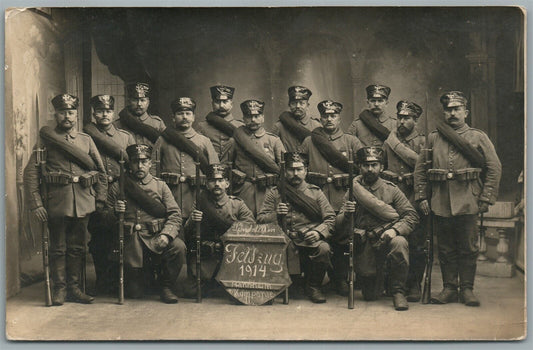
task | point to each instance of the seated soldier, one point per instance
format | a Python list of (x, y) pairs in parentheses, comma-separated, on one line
[(383, 219), (216, 211), (310, 220), (151, 223)]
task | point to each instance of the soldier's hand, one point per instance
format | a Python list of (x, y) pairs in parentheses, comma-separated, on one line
[(282, 209), (483, 206), (41, 214), (424, 206), (161, 242), (197, 215), (389, 234), (312, 236), (120, 206), (349, 207)]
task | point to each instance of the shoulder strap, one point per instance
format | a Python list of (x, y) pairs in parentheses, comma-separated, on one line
[(182, 143), (258, 155), (220, 124), (295, 128), (139, 127), (105, 144), (467, 150), (328, 150), (371, 123), (72, 152)]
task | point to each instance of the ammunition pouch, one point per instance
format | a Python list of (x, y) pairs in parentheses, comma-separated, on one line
[(153, 227), (237, 177), (391, 176), (316, 179), (264, 181), (340, 181), (85, 180), (466, 174), (175, 179)]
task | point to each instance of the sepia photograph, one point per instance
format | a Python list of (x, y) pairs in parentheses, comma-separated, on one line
[(265, 173)]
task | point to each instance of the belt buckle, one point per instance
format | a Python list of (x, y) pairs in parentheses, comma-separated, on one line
[(75, 179), (137, 227), (329, 180), (183, 179), (449, 176)]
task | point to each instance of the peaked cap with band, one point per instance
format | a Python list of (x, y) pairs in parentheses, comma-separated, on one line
[(408, 108), (183, 104), (103, 102), (295, 159), (222, 92), (252, 107), (377, 91), (65, 101), (299, 93), (138, 90), (369, 154), (139, 151), (453, 99), (329, 107)]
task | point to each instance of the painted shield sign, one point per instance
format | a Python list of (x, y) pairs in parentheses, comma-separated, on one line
[(254, 266)]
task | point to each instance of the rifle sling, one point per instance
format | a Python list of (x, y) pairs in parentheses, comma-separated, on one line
[(467, 150), (220, 124), (72, 152), (326, 148), (307, 205), (105, 144), (149, 204), (373, 125), (184, 144), (139, 127), (257, 154), (294, 127)]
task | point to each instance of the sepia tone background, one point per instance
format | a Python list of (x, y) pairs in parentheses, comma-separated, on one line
[(335, 52)]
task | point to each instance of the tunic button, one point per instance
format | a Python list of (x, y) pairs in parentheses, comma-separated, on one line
[(182, 178), (329, 180), (75, 179), (137, 227), (110, 178)]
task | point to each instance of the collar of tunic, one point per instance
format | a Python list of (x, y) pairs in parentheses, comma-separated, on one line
[(336, 134), (147, 179), (189, 133), (259, 133), (71, 134), (462, 129), (412, 135), (375, 185), (222, 201)]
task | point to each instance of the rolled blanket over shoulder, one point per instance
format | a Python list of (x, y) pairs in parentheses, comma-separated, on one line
[(258, 155), (402, 151), (72, 152), (149, 204), (306, 204), (220, 124), (473, 155), (212, 216), (295, 128), (371, 123), (139, 127), (182, 143), (375, 206), (104, 144), (328, 151)]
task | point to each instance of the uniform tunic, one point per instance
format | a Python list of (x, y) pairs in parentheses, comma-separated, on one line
[(252, 194), (221, 141), (359, 129), (346, 144), (290, 142), (148, 119), (176, 161)]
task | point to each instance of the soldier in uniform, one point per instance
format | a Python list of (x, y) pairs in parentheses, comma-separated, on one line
[(220, 124), (383, 219), (135, 118), (217, 211), (111, 143), (296, 124), (178, 148), (329, 150), (401, 151), (256, 154), (76, 186), (152, 220), (373, 125), (463, 181), (310, 221)]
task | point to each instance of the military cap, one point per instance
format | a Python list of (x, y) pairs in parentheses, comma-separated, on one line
[(138, 90), (453, 99), (217, 171), (299, 93), (408, 108), (252, 107), (369, 154), (377, 91), (139, 151), (329, 107), (221, 92), (65, 101), (295, 159), (183, 104), (103, 102)]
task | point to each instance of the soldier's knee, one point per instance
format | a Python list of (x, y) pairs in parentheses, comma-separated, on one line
[(323, 249), (177, 246), (399, 243)]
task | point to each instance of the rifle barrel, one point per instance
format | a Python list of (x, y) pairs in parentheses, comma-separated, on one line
[(198, 234)]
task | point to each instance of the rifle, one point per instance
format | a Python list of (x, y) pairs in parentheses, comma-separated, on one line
[(230, 177), (157, 162), (198, 234), (122, 196), (283, 198), (351, 242), (426, 291), (40, 163), (482, 243)]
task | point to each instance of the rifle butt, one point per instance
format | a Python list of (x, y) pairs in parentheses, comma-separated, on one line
[(46, 266), (121, 259), (198, 265)]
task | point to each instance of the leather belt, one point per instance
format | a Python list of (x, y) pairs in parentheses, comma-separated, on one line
[(466, 174)]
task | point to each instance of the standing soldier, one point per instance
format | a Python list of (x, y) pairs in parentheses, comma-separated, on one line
[(135, 119), (178, 148), (401, 151), (111, 143), (295, 125), (216, 211), (152, 220), (373, 125), (463, 181), (76, 186), (383, 219), (329, 150), (220, 124), (310, 220), (256, 154)]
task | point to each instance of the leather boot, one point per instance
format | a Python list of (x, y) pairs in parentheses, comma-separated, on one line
[(166, 282), (314, 283), (368, 287), (399, 301), (398, 277), (467, 273), (58, 274), (449, 280), (134, 282), (74, 268), (446, 296), (468, 298)]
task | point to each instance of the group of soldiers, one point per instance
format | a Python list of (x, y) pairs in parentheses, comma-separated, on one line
[(238, 166)]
